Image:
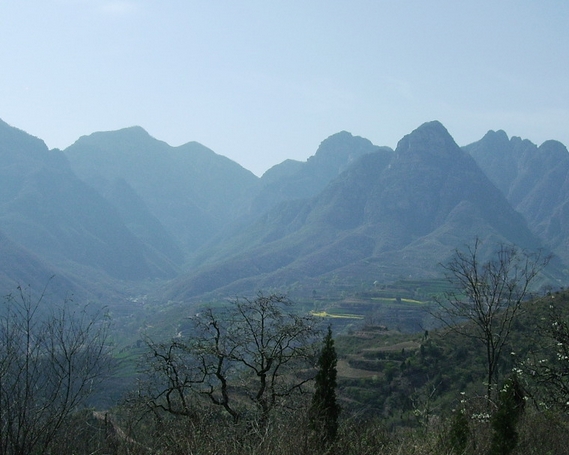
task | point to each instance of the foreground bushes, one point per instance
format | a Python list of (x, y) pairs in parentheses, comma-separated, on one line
[(127, 433)]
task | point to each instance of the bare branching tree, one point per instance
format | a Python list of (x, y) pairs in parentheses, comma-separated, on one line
[(256, 351), (487, 295), (50, 362)]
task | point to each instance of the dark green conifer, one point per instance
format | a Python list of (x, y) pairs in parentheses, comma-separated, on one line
[(504, 421), (324, 410), (459, 432)]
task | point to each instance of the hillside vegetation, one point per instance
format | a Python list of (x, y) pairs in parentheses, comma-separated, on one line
[(360, 239), (421, 393), (121, 214)]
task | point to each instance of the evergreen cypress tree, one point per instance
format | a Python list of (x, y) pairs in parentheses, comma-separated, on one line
[(459, 432), (505, 419), (324, 410)]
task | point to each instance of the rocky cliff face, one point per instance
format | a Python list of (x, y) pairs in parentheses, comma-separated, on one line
[(535, 180), (388, 213), (124, 206)]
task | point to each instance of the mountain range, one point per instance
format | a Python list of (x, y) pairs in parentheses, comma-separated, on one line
[(119, 212)]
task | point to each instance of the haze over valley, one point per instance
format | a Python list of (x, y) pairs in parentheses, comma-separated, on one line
[(121, 214), (284, 227)]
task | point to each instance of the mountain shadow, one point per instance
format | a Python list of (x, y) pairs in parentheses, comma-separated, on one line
[(283, 186), (295, 180), (535, 180), (189, 190), (48, 210), (388, 215)]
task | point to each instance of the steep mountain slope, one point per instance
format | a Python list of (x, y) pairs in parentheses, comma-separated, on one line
[(534, 179), (388, 215), (48, 210), (122, 205), (295, 180), (189, 190), (282, 187), (138, 219), (19, 267)]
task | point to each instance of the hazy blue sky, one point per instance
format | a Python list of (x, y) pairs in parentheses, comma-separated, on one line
[(260, 81)]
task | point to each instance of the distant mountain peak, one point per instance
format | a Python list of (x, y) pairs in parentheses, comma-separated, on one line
[(131, 137), (15, 140), (497, 138), (336, 137), (339, 149), (431, 139), (134, 131), (556, 148), (430, 130), (338, 141)]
